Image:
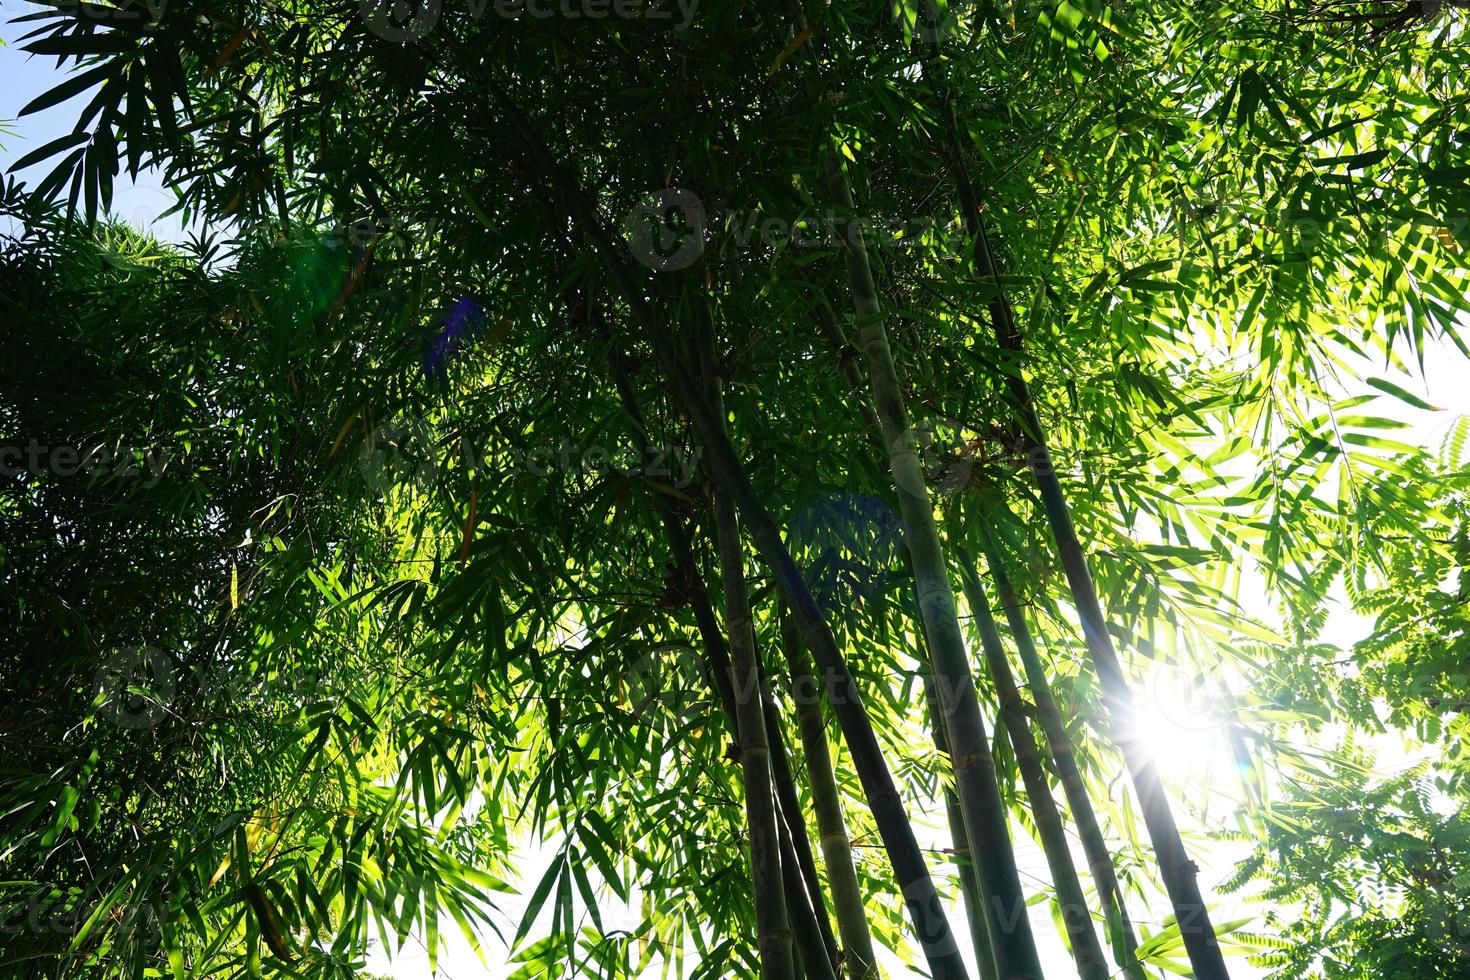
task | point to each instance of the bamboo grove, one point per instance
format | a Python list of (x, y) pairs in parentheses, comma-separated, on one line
[(761, 454)]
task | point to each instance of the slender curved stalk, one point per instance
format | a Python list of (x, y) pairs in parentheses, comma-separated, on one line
[(859, 961), (1007, 930), (1076, 919), (974, 770), (1175, 868), (926, 913), (1094, 845), (773, 929), (811, 915), (813, 959), (717, 668), (816, 944), (971, 891)]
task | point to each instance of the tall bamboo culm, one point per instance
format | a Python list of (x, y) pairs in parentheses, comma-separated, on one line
[(926, 912), (974, 771), (806, 924), (1175, 868), (806, 913), (1089, 831), (859, 960), (1078, 929), (815, 943), (773, 928), (972, 894)]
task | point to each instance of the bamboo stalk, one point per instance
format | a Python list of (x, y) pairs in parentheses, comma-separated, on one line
[(812, 912), (808, 917), (926, 913), (1076, 919), (717, 668), (1017, 948), (813, 957), (972, 893), (1094, 845), (859, 960), (974, 770), (1175, 868), (773, 929)]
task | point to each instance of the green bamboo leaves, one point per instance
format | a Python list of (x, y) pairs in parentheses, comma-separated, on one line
[(1145, 290)]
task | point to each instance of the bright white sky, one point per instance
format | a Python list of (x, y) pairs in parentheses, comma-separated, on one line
[(1445, 382)]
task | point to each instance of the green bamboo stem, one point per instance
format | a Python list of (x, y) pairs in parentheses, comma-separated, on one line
[(1087, 952), (1089, 831), (974, 770), (717, 668), (859, 960), (808, 916), (1178, 872), (813, 958), (815, 943), (926, 913), (971, 891), (772, 927), (812, 913)]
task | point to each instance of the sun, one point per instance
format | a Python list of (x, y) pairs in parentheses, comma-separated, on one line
[(1183, 721)]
